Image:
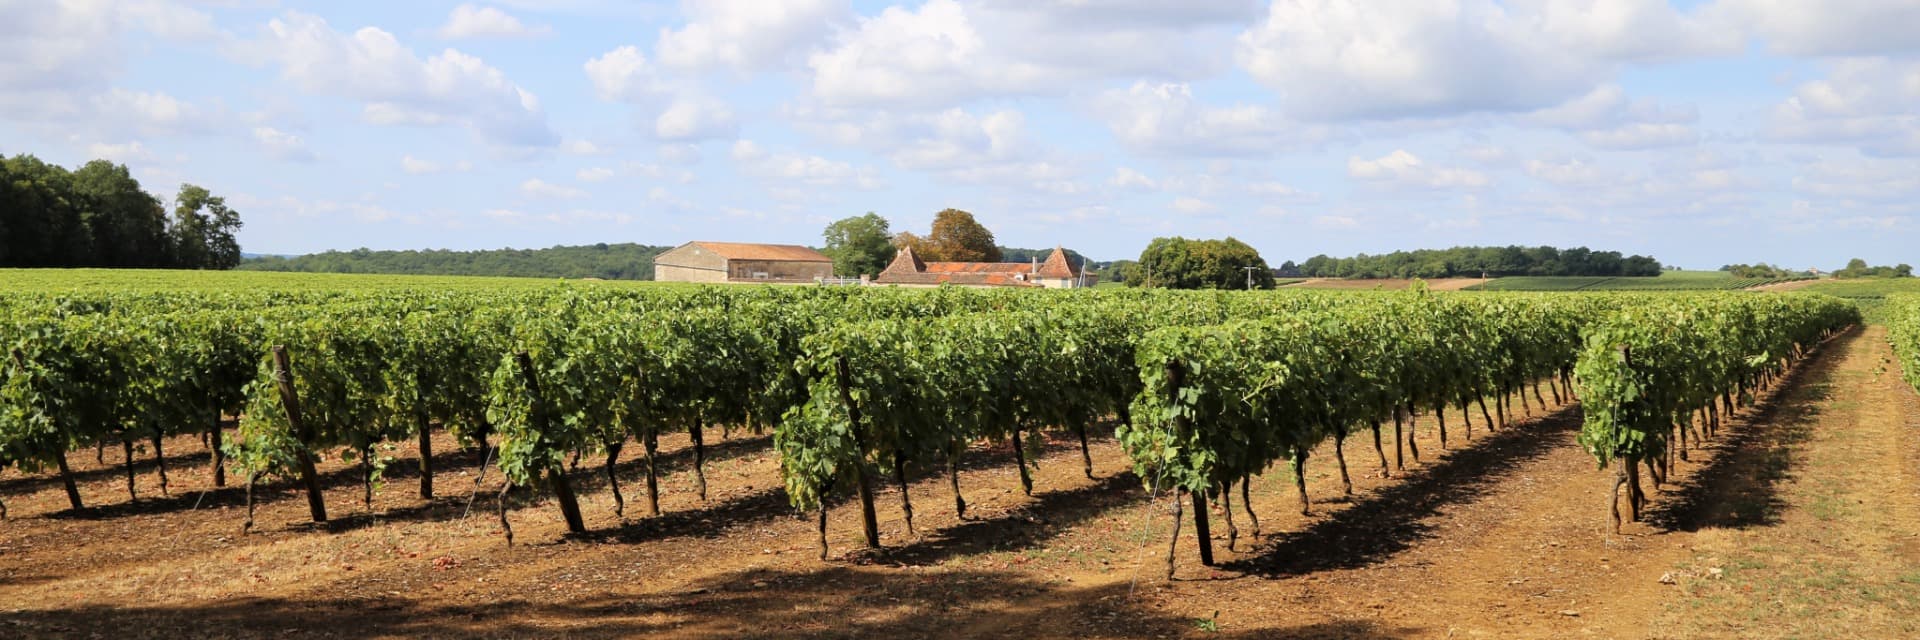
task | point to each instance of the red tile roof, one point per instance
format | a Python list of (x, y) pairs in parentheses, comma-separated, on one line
[(772, 252), (1008, 268), (963, 279), (1057, 266)]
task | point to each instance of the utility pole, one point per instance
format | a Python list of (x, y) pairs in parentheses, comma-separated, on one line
[(1250, 270)]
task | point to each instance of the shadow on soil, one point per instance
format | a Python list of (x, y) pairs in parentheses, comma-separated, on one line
[(402, 474), (838, 602), (1392, 519), (1738, 487)]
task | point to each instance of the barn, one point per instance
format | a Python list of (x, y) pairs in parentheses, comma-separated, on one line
[(741, 262)]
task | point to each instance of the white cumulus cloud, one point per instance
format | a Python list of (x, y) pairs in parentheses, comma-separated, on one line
[(1404, 170), (372, 66), (470, 21)]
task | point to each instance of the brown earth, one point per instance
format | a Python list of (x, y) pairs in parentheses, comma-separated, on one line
[(1501, 537), (1436, 284)]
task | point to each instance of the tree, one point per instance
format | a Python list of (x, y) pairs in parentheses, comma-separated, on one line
[(859, 245), (128, 228), (1179, 263), (909, 240), (956, 237), (204, 239)]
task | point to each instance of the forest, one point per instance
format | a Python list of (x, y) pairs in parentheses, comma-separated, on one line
[(1476, 262), (99, 216)]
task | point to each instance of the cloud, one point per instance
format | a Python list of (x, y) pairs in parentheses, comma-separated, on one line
[(747, 34), (282, 145), (398, 87), (469, 21), (1835, 27), (122, 153), (416, 166), (1126, 178), (581, 148), (1402, 169), (1607, 119), (945, 52), (695, 118), (623, 75), (594, 174), (809, 170), (955, 145), (1339, 60), (1865, 180), (1167, 119), (1572, 173), (1193, 206), (1870, 103), (537, 188), (152, 114)]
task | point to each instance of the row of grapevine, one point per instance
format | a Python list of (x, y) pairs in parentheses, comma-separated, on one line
[(1902, 313), (857, 385), (1224, 402), (1652, 372), (887, 394)]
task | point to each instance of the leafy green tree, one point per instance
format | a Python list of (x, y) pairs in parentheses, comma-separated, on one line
[(126, 225), (203, 230), (1179, 263), (859, 245)]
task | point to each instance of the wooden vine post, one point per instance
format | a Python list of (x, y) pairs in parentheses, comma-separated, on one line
[(556, 474), (283, 378)]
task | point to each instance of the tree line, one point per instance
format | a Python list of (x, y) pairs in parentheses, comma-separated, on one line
[(98, 216), (1476, 262), (1761, 270), (1857, 268), (624, 261)]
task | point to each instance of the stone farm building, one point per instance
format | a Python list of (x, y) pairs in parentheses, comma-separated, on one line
[(1055, 273), (741, 262)]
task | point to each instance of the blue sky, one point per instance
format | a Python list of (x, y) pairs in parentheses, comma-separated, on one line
[(1699, 132)]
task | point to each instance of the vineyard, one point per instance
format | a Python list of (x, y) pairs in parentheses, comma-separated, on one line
[(1188, 399), (1670, 281)]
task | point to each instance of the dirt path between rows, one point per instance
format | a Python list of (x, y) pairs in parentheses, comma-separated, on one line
[(1503, 536)]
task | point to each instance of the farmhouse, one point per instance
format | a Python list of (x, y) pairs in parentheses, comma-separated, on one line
[(741, 262), (1055, 273)]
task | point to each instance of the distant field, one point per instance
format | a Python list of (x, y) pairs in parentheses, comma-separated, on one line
[(1866, 293), (176, 280), (1668, 281), (1438, 284)]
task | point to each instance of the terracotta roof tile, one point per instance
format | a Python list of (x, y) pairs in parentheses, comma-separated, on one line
[(1057, 266), (1008, 268)]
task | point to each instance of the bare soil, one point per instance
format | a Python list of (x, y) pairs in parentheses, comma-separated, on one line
[(1501, 536)]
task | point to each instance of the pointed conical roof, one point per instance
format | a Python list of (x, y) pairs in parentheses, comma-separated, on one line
[(1057, 265), (905, 262)]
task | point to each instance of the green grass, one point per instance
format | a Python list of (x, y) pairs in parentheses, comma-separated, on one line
[(1870, 294), (1666, 281), (1865, 287)]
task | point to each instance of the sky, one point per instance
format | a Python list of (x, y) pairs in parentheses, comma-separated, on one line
[(1702, 133)]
